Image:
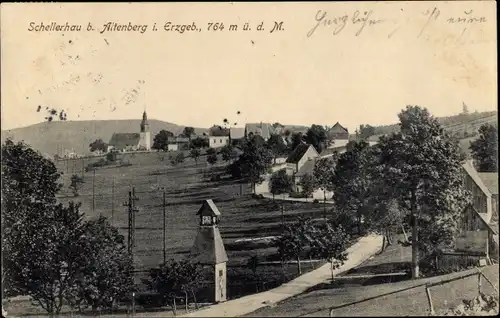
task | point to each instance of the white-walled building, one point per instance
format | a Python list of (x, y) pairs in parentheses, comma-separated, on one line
[(218, 141)]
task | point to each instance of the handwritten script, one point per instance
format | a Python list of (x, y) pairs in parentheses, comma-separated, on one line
[(338, 23), (362, 20)]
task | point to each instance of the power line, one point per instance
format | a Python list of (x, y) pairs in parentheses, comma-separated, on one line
[(164, 229)]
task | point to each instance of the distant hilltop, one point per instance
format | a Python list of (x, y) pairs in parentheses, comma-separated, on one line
[(57, 137), (54, 137), (51, 138)]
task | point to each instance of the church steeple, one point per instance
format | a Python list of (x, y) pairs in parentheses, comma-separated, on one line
[(144, 122)]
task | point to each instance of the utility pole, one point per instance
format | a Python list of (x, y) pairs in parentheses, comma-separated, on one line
[(131, 219), (113, 201), (93, 191), (164, 229), (83, 166), (129, 210)]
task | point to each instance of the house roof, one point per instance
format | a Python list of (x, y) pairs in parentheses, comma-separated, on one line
[(307, 168), (181, 139), (265, 130), (237, 132), (123, 140), (297, 153), (472, 172), (490, 179), (218, 131), (338, 128), (208, 208), (484, 218), (208, 247)]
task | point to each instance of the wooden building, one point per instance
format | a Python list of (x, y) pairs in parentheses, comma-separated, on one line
[(208, 248)]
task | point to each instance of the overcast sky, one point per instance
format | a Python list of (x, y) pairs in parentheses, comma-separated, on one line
[(199, 78)]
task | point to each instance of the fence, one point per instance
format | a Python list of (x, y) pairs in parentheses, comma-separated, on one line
[(427, 285)]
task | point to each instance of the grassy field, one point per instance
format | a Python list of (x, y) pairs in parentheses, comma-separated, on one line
[(186, 186)]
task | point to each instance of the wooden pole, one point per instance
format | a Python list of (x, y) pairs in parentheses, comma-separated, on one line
[(164, 229), (429, 298), (113, 201), (93, 191)]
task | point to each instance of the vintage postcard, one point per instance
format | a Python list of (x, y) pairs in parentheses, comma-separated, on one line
[(249, 159)]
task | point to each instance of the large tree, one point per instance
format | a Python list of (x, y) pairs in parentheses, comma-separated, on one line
[(106, 276), (351, 183), (366, 131), (485, 149), (295, 240), (160, 140), (199, 143), (308, 184), (188, 132), (29, 184), (324, 170), (176, 279), (316, 135), (280, 183), (195, 154), (43, 242), (277, 145), (98, 145), (296, 139), (227, 153), (329, 242), (255, 160), (422, 167)]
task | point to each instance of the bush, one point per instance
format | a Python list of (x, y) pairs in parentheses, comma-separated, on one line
[(348, 222), (150, 300), (215, 178), (111, 156), (315, 201)]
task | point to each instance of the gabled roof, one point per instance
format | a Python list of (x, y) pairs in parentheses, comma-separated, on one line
[(483, 217), (298, 153), (472, 172), (338, 128), (218, 131), (490, 179), (237, 132), (123, 140), (208, 247), (208, 208), (265, 130)]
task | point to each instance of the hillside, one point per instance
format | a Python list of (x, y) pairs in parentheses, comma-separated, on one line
[(48, 137), (462, 125)]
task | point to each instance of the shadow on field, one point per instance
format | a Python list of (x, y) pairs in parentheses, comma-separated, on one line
[(383, 268), (269, 230), (345, 282), (276, 217)]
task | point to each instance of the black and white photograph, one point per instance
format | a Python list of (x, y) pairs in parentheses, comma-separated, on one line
[(259, 159)]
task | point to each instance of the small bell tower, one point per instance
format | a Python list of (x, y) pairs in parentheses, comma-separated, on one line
[(208, 248)]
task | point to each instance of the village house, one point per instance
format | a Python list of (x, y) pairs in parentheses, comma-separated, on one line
[(300, 162), (218, 137), (236, 134), (338, 136), (478, 235), (125, 142), (178, 143), (490, 180), (264, 130)]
